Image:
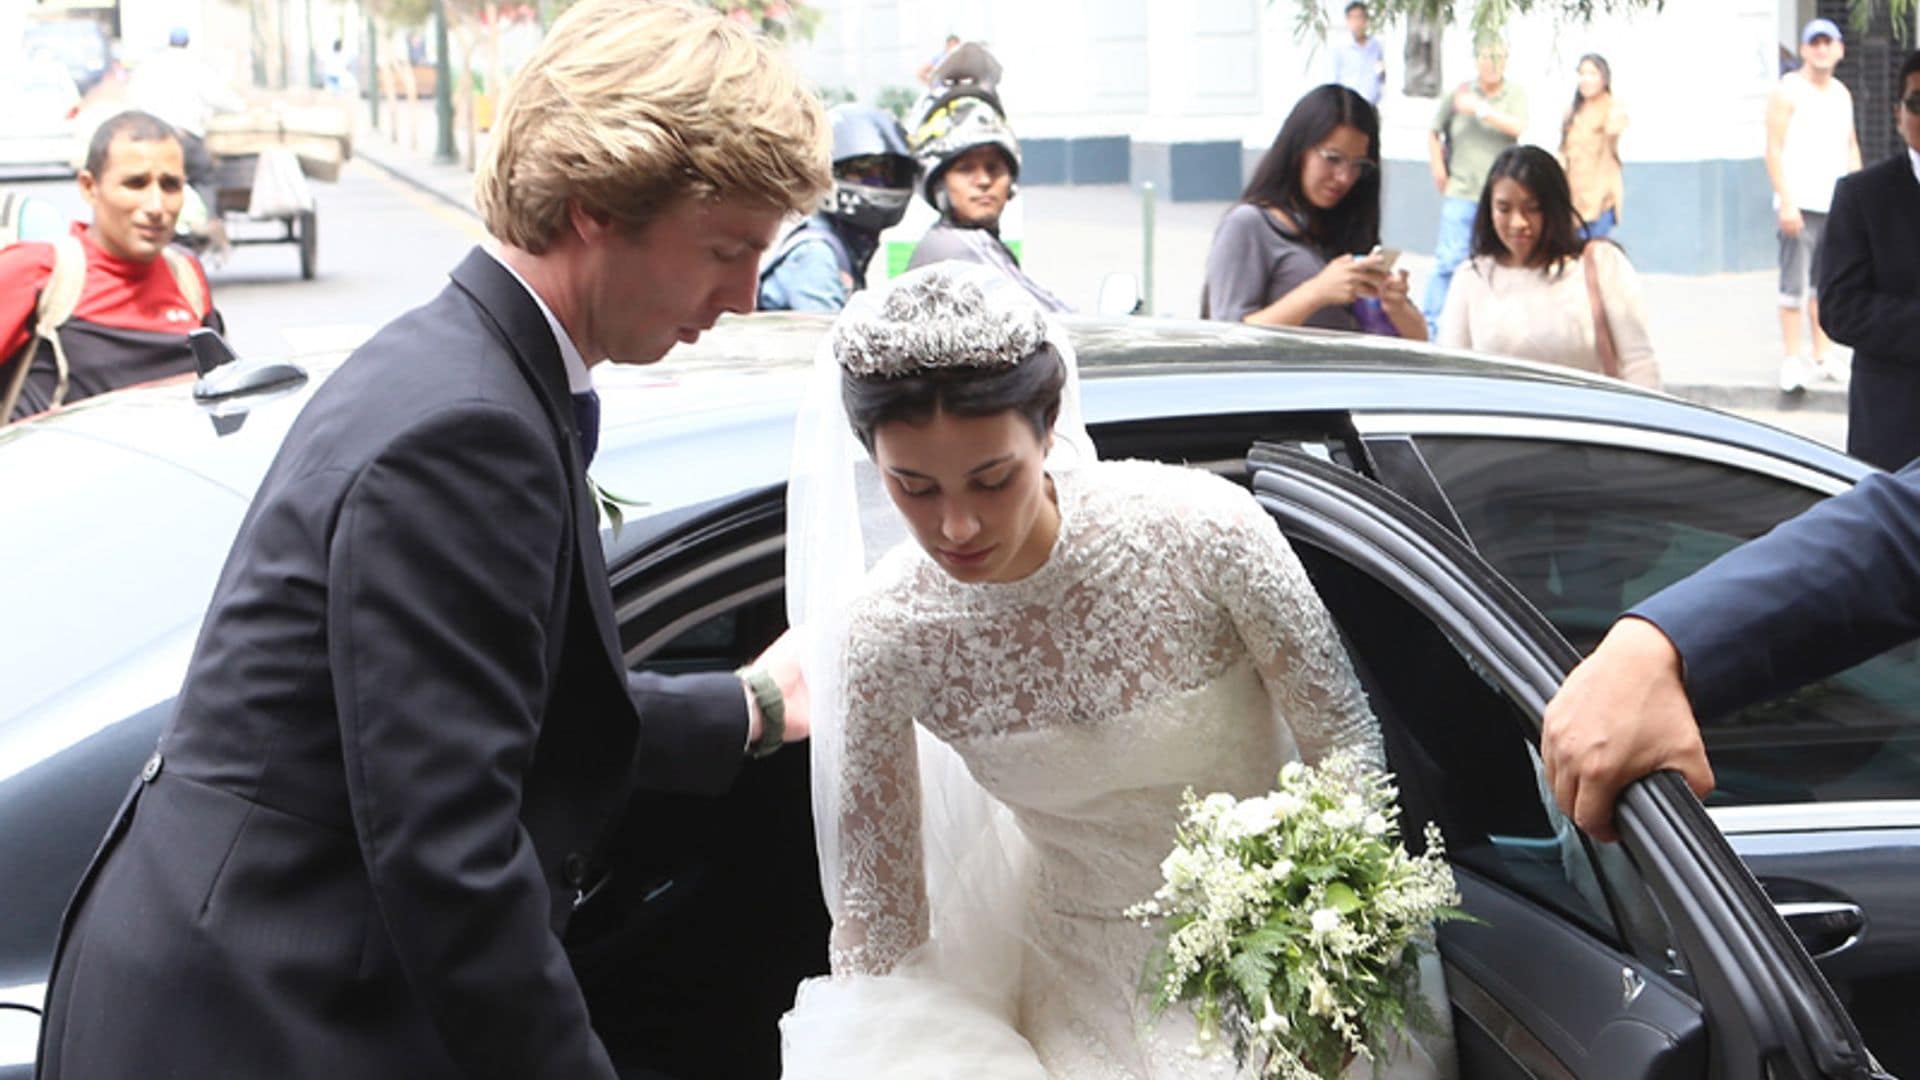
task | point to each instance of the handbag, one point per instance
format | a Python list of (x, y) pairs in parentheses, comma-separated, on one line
[(1602, 334)]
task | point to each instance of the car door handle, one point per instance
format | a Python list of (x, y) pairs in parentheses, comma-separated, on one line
[(1825, 927)]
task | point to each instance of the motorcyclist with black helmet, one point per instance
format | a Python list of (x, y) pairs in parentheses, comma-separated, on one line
[(821, 261), (970, 163)]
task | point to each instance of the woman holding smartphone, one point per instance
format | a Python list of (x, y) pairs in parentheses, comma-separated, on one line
[(1535, 289), (1301, 248)]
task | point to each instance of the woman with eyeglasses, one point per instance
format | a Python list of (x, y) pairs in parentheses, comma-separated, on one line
[(1299, 248), (1535, 289)]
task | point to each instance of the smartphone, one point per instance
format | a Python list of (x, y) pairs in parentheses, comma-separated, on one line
[(1388, 256)]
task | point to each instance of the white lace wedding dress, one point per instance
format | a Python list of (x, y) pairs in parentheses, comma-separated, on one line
[(1170, 640)]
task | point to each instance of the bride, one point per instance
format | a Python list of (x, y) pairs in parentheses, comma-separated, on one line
[(1008, 708)]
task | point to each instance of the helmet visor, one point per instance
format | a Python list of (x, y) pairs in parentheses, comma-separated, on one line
[(875, 170)]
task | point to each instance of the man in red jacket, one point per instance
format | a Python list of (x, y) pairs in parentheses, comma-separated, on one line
[(110, 304)]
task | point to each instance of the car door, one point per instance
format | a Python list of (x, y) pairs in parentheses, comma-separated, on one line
[(1660, 958), (711, 911), (1819, 791)]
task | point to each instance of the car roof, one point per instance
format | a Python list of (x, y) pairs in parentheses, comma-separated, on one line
[(751, 372)]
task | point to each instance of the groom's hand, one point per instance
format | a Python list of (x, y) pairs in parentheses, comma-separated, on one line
[(782, 661)]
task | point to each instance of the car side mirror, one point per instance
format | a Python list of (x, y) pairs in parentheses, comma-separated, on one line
[(1119, 295)]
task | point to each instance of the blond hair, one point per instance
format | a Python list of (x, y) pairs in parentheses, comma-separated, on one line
[(630, 105)]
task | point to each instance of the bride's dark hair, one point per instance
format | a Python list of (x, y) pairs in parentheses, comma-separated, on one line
[(1030, 387)]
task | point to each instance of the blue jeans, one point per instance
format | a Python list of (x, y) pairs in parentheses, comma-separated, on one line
[(1601, 227), (1449, 251)]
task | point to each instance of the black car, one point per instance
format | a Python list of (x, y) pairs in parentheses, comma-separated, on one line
[(1471, 524)]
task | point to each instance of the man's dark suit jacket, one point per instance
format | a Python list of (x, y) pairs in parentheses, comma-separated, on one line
[(405, 727), (1818, 594), (1870, 299)]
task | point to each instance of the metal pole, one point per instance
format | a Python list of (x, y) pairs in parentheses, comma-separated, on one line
[(313, 58), (1146, 248), (443, 153), (373, 73)]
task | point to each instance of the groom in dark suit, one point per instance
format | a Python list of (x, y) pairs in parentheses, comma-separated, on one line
[(1870, 289), (407, 722)]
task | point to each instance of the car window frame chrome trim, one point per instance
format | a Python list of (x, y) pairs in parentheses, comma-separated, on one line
[(1852, 815), (1597, 433)]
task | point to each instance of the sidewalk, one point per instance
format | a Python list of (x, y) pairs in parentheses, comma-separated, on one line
[(1717, 336)]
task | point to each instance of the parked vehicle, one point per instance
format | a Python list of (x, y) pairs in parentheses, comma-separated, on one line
[(81, 44), (1470, 524), (38, 98)]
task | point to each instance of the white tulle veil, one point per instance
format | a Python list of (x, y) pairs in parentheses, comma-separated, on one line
[(840, 522)]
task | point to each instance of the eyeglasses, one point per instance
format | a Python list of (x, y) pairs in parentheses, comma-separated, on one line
[(1912, 102), (1358, 168)]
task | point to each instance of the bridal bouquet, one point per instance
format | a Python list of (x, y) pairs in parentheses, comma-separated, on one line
[(1294, 920)]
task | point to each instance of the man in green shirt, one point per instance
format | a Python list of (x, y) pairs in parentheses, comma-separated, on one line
[(1474, 124)]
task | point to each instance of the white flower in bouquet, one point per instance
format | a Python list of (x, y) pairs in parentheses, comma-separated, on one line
[(1294, 921)]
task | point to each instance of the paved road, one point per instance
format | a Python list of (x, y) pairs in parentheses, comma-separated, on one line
[(384, 248)]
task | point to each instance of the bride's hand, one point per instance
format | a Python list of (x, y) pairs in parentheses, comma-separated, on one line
[(782, 661)]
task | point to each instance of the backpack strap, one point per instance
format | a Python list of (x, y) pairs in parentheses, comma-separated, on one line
[(186, 279), (59, 296)]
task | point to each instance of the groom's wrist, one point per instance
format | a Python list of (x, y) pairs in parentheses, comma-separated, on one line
[(766, 711)]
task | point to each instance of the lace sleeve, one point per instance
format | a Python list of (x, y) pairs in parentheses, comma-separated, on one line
[(883, 892), (1259, 580)]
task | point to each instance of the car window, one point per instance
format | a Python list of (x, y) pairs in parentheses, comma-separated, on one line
[(1458, 750), (1586, 532)]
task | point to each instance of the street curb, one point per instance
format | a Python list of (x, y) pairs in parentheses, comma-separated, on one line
[(419, 183), (1736, 397)]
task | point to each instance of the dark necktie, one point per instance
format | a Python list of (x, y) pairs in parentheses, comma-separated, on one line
[(586, 413)]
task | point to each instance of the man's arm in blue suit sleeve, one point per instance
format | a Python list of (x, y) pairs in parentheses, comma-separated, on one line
[(1818, 594)]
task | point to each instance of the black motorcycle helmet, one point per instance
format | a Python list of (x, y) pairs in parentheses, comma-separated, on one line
[(872, 170)]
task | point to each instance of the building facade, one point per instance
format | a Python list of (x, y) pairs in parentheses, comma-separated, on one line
[(1188, 94)]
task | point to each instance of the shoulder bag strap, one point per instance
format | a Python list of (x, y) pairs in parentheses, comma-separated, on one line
[(1602, 333)]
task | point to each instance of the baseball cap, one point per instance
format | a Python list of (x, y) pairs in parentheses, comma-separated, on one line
[(1820, 28)]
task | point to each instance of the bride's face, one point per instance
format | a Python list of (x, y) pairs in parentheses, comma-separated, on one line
[(974, 491)]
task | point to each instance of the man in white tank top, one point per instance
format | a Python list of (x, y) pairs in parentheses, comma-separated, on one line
[(1810, 145)]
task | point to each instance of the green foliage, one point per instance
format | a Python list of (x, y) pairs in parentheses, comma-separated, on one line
[(782, 20), (400, 14), (1488, 18), (834, 95), (1295, 921), (896, 100)]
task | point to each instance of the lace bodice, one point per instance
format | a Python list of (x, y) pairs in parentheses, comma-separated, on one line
[(1172, 639)]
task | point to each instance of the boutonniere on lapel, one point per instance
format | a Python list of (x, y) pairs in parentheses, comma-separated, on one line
[(613, 507)]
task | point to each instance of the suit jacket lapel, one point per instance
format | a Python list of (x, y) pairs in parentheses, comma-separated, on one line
[(510, 308)]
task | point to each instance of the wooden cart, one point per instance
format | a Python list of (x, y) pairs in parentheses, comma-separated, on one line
[(317, 135)]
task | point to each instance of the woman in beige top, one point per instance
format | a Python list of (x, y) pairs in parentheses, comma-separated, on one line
[(1525, 293), (1590, 147)]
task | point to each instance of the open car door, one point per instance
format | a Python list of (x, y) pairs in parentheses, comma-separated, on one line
[(1660, 957)]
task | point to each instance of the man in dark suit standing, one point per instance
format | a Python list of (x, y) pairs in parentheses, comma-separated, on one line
[(407, 721), (1870, 289)]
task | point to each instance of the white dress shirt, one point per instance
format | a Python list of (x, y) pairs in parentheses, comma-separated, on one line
[(579, 379)]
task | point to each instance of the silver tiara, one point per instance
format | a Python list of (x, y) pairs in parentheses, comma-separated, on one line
[(948, 315)]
